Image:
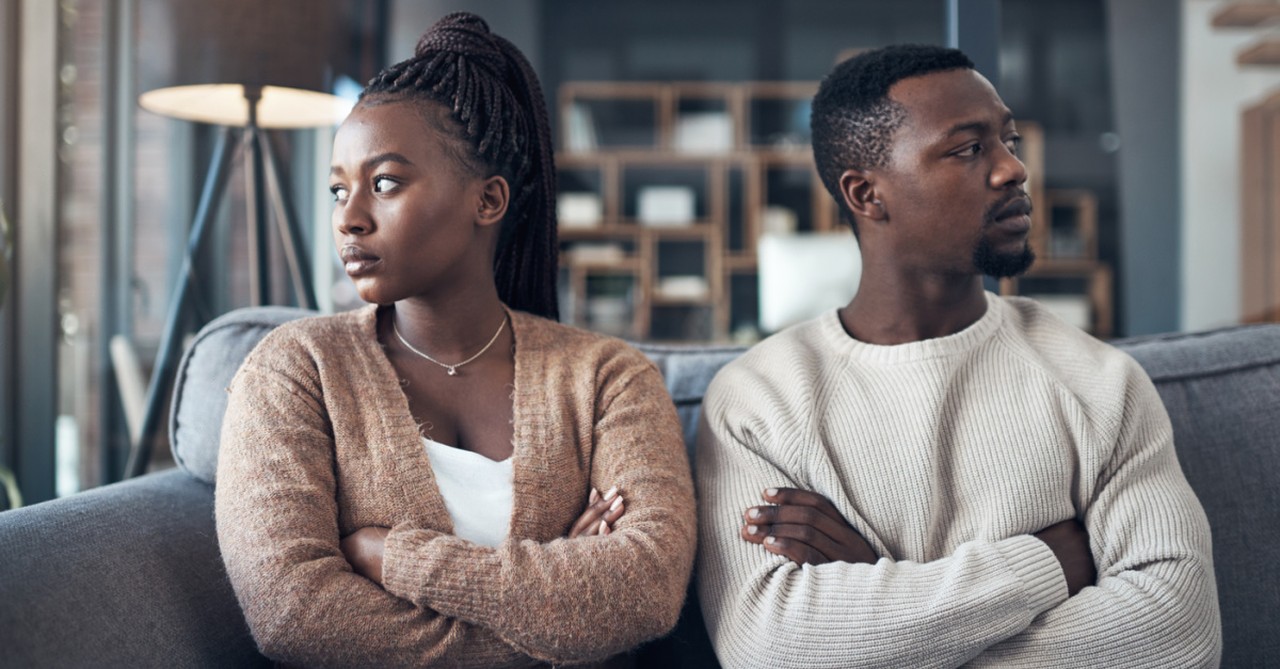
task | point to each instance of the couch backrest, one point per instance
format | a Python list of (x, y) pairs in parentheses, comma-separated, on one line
[(1221, 388), (1222, 392)]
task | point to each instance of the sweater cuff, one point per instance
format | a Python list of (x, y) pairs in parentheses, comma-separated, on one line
[(1037, 567), (448, 575)]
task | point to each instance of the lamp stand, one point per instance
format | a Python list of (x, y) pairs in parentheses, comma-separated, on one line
[(258, 154)]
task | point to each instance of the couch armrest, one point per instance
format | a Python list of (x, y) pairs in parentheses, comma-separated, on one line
[(124, 575)]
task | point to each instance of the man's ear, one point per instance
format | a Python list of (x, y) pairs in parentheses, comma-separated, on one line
[(495, 195), (858, 188)]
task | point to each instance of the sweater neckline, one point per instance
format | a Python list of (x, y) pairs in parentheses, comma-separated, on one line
[(954, 344), (416, 477)]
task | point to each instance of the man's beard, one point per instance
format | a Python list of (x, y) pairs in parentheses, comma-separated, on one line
[(1001, 265)]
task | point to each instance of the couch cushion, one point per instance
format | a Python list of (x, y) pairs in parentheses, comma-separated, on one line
[(200, 386), (1222, 391), (687, 370)]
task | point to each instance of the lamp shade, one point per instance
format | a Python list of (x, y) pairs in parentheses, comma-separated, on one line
[(200, 58)]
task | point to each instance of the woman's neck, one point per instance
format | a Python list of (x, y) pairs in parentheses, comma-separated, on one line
[(450, 328)]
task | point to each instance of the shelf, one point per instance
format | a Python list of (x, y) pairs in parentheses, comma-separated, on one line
[(1262, 52), (695, 231), (630, 265), (661, 301), (608, 231), (1246, 14)]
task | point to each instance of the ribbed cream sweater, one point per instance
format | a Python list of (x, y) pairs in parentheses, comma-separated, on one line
[(946, 454), (318, 441)]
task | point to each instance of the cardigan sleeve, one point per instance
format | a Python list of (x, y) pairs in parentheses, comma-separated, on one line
[(587, 598), (278, 532), (1155, 603), (762, 609)]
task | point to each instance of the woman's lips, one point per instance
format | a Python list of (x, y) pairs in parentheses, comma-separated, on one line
[(357, 261), (358, 267)]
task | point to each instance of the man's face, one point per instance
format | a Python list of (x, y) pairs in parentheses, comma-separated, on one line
[(952, 190)]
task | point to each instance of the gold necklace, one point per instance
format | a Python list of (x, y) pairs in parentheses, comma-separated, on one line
[(452, 369)]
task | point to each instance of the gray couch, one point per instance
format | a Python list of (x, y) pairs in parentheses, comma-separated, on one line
[(128, 575)]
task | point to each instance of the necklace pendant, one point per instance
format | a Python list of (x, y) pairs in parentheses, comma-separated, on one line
[(453, 371)]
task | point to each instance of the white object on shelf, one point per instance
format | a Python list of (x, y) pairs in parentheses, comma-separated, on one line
[(803, 275), (777, 220), (581, 134), (1074, 309), (579, 210), (704, 132), (669, 206), (683, 287), (595, 253)]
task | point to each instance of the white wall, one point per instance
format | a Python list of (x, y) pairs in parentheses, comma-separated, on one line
[(1214, 92)]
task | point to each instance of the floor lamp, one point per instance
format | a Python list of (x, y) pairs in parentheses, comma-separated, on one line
[(239, 67)]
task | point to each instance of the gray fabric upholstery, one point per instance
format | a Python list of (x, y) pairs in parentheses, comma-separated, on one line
[(129, 574), (1222, 391), (200, 386)]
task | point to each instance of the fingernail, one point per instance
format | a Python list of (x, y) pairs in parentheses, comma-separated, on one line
[(612, 492), (595, 495), (604, 527), (769, 540), (771, 492), (616, 503), (752, 529), (753, 513)]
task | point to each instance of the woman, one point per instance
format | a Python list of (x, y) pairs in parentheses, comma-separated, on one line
[(420, 481)]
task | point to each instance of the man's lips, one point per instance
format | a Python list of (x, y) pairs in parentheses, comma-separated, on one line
[(1013, 216)]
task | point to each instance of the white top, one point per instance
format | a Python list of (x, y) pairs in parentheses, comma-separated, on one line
[(947, 455), (477, 492)]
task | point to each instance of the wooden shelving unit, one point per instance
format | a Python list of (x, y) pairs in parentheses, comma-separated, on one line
[(763, 160)]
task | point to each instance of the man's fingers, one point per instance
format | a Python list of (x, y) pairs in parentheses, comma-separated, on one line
[(804, 534), (797, 497), (797, 515), (796, 551)]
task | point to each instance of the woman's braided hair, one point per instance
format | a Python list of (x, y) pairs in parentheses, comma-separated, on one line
[(493, 96)]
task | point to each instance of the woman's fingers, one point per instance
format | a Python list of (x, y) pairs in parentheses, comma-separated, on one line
[(601, 512)]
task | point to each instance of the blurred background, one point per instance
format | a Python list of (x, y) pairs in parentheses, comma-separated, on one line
[(690, 211)]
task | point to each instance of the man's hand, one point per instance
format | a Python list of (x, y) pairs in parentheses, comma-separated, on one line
[(601, 513), (804, 527), (363, 549), (1070, 544)]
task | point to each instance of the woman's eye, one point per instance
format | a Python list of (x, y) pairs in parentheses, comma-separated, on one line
[(339, 193), (383, 184)]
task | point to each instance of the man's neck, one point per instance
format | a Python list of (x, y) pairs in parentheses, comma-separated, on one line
[(897, 311)]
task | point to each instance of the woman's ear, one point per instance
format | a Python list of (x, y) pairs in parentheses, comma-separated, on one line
[(495, 195), (858, 189)]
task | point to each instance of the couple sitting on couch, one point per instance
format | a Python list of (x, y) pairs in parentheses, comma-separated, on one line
[(928, 476)]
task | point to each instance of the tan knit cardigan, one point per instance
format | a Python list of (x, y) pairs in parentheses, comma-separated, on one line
[(318, 442)]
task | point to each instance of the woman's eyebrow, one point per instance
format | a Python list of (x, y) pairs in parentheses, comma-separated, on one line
[(388, 157)]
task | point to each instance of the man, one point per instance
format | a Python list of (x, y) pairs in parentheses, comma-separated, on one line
[(933, 475)]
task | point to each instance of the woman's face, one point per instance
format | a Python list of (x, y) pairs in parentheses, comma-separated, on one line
[(408, 220)]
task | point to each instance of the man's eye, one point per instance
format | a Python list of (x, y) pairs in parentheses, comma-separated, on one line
[(1014, 143), (339, 193), (970, 151), (383, 184)]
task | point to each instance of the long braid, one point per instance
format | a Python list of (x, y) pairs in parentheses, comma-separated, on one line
[(493, 95)]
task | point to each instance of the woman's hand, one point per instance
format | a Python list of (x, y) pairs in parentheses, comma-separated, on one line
[(363, 549), (804, 527), (601, 513)]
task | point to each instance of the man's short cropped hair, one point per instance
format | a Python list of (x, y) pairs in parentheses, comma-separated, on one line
[(853, 119)]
